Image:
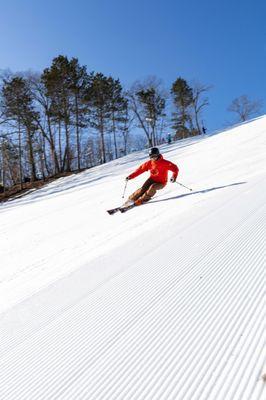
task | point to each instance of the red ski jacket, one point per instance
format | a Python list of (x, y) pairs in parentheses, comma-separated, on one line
[(158, 170)]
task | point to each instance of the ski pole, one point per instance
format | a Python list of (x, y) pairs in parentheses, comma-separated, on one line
[(125, 189), (181, 184)]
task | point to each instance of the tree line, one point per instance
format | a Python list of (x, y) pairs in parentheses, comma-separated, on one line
[(67, 119)]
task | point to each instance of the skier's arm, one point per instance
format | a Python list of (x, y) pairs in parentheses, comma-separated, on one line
[(143, 168), (174, 168)]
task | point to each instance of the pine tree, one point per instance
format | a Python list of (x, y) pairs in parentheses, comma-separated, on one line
[(183, 99), (98, 98), (57, 82), (125, 124), (79, 83), (117, 105)]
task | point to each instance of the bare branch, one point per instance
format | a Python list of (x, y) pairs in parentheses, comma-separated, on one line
[(245, 108)]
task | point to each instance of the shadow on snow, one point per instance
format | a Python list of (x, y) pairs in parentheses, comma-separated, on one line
[(198, 192)]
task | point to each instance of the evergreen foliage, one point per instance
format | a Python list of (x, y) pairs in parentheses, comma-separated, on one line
[(182, 98)]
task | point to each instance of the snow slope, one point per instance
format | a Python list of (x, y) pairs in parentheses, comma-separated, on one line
[(163, 302)]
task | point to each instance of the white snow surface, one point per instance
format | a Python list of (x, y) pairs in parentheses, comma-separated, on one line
[(166, 301)]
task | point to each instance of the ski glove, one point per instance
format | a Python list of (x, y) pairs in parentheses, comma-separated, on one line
[(173, 179), (127, 178)]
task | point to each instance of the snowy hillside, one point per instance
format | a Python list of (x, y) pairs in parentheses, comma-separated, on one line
[(163, 302)]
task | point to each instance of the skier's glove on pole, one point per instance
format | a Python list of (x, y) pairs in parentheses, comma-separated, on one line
[(173, 179), (127, 178)]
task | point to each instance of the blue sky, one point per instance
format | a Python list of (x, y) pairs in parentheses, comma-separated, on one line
[(220, 42)]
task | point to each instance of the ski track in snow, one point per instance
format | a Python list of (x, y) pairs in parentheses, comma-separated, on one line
[(166, 301)]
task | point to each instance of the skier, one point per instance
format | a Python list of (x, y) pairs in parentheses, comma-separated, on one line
[(158, 168)]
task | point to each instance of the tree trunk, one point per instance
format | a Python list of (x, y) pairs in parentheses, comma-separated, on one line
[(77, 131), (3, 166), (20, 154), (114, 135), (197, 120), (31, 155), (52, 147), (68, 166), (60, 146), (103, 156)]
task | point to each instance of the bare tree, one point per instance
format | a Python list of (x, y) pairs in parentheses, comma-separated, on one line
[(147, 100), (245, 108), (45, 122), (3, 120), (199, 102), (17, 105)]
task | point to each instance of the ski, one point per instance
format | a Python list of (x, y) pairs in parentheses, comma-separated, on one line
[(113, 210), (122, 209), (125, 209)]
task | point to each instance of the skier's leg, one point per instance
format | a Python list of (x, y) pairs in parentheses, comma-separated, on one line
[(150, 192), (139, 192)]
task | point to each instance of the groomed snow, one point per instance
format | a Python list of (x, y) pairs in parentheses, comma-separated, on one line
[(164, 302)]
